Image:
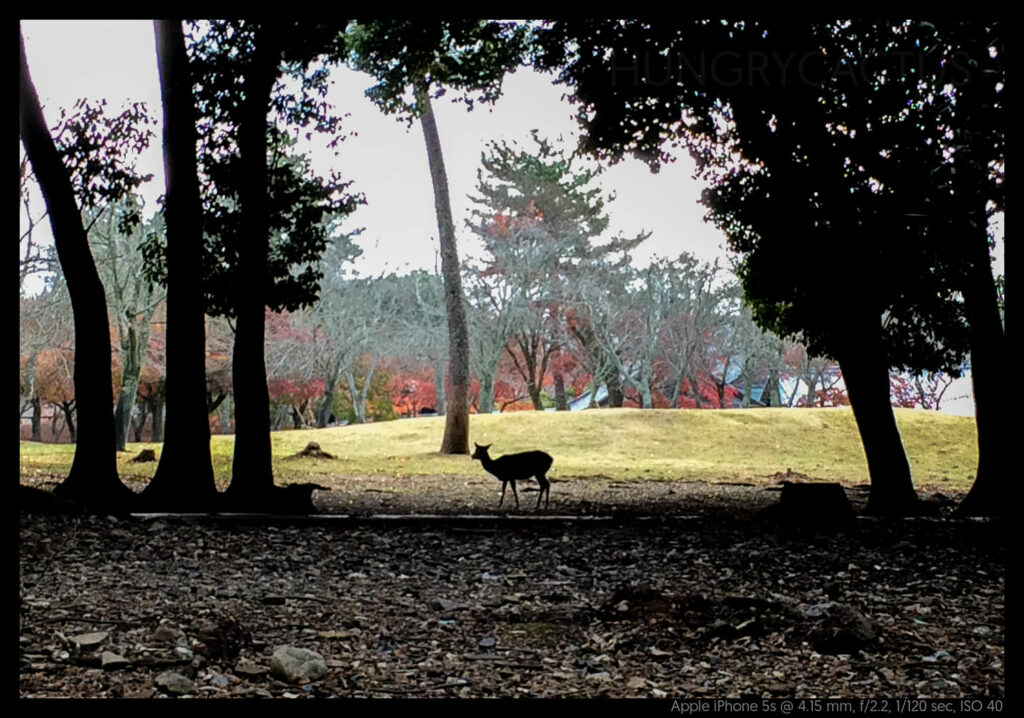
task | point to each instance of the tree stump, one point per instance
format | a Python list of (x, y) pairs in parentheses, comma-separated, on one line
[(814, 504), (314, 451), (144, 455)]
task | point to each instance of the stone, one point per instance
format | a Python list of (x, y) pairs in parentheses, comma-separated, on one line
[(297, 665), (88, 641), (174, 683), (111, 661), (838, 628)]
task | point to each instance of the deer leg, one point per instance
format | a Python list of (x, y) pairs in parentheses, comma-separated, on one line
[(503, 483), (514, 493), (545, 490)]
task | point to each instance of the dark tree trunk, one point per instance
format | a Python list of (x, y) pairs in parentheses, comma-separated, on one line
[(456, 425), (93, 478), (37, 419), (68, 407), (561, 401), (184, 476), (156, 407), (252, 476), (614, 383), (695, 388), (989, 495), (867, 384), (142, 413)]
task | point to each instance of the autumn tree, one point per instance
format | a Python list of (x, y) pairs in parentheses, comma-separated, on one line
[(539, 215), (426, 59)]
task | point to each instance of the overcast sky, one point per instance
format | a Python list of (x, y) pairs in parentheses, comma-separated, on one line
[(386, 161)]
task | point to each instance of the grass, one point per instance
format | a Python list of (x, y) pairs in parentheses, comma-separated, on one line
[(732, 445)]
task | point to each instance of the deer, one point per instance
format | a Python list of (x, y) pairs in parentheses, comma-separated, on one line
[(510, 468)]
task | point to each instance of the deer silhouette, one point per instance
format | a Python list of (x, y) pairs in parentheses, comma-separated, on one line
[(511, 468)]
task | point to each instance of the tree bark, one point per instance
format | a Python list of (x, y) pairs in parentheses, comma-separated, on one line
[(867, 384), (37, 419), (456, 425), (93, 478), (486, 402), (184, 476), (989, 495), (561, 401), (614, 384), (252, 476), (131, 366), (439, 391)]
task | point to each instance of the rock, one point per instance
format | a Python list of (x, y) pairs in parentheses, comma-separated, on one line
[(487, 642), (297, 665), (174, 683), (838, 628), (88, 641), (112, 661), (166, 634), (248, 668)]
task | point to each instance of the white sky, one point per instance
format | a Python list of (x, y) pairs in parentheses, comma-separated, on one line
[(386, 161)]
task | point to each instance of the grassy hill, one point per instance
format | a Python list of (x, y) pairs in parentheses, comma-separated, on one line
[(750, 445)]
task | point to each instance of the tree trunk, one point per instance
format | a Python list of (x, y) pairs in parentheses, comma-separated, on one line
[(867, 384), (252, 475), (225, 415), (989, 495), (156, 406), (69, 407), (561, 401), (358, 401), (695, 388), (93, 477), (56, 427), (614, 383), (131, 366), (323, 414), (456, 426), (139, 426), (486, 403), (184, 477), (37, 419), (439, 391)]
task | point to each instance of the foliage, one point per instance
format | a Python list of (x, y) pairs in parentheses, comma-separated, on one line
[(305, 210), (471, 56)]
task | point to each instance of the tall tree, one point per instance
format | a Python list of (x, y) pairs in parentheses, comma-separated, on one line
[(264, 210), (131, 299), (426, 58), (539, 215), (93, 478), (782, 158), (184, 476)]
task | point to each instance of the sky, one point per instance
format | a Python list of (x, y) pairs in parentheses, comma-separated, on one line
[(386, 160)]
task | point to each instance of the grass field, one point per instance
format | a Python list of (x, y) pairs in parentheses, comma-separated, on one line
[(749, 445)]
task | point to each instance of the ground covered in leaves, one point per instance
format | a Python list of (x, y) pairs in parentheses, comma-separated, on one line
[(708, 598)]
